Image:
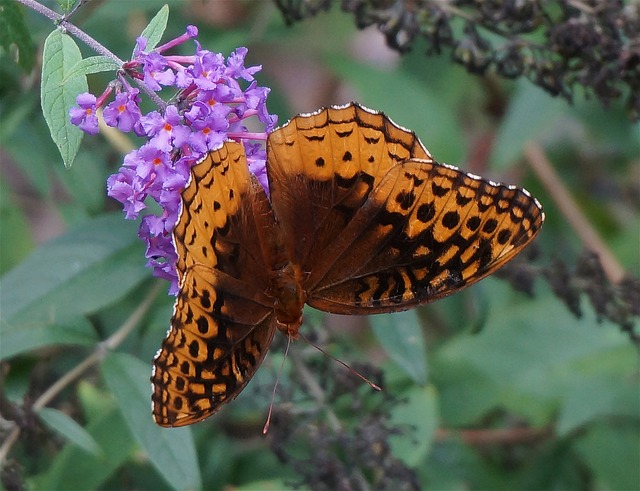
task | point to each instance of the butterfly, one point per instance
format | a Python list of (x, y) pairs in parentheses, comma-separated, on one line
[(360, 219)]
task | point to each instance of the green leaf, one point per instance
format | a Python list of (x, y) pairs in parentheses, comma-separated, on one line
[(69, 429), (85, 181), (155, 29), (93, 64), (419, 417), (601, 396), (537, 350), (466, 394), (532, 115), (25, 337), (551, 467), (281, 484), (613, 453), (94, 401), (15, 234), (66, 5), (171, 451), (25, 137), (74, 468), (401, 337), (60, 54), (86, 269), (14, 33)]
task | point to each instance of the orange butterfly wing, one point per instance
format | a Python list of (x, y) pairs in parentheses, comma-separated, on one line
[(322, 167), (376, 224), (223, 320)]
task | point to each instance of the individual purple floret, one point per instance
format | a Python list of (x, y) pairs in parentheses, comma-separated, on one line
[(124, 111), (84, 116)]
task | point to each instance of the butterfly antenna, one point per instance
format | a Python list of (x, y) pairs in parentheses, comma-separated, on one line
[(265, 429), (355, 372)]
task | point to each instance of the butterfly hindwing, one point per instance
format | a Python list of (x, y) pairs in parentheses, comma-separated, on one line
[(217, 340), (223, 320)]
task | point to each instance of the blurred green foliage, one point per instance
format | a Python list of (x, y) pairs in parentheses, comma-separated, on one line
[(489, 389)]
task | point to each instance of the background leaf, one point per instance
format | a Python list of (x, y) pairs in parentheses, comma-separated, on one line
[(171, 451), (531, 116), (74, 274), (15, 33), (69, 429), (401, 337), (93, 64), (613, 451), (74, 468), (417, 415), (31, 336)]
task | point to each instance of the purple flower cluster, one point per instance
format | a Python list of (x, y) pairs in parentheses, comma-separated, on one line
[(211, 107)]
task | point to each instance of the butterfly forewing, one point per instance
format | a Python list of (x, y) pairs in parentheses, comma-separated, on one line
[(321, 169), (223, 318), (426, 231)]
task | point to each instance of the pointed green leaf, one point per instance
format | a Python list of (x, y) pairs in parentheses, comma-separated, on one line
[(60, 54), (93, 64), (401, 337), (155, 29), (69, 429), (171, 451), (74, 468)]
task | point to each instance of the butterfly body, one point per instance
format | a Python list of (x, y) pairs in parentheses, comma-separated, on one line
[(289, 298), (359, 219)]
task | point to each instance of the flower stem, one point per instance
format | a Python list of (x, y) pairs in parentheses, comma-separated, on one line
[(95, 357), (569, 208), (89, 41)]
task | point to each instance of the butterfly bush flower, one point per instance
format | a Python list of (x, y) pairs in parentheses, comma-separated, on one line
[(84, 116), (124, 112), (216, 95)]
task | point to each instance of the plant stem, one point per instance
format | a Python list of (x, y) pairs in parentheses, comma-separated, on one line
[(89, 41), (95, 357), (496, 436), (569, 208), (71, 28)]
